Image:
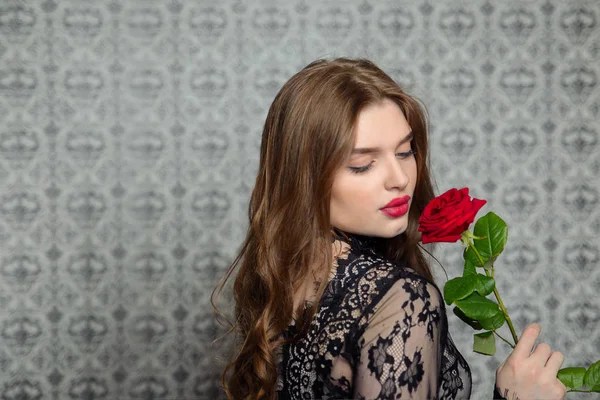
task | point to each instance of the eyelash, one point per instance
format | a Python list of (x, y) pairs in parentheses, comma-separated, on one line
[(403, 155)]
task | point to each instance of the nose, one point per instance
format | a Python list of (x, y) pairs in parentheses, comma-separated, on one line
[(397, 177)]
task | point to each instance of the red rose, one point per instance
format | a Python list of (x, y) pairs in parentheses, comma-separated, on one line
[(448, 215)]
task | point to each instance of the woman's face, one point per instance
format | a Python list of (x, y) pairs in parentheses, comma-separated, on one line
[(372, 193)]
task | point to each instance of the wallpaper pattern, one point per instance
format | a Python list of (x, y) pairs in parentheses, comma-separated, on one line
[(129, 136)]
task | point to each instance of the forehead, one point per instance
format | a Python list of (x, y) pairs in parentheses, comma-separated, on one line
[(380, 123)]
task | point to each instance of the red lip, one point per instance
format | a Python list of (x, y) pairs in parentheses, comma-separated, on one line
[(397, 202)]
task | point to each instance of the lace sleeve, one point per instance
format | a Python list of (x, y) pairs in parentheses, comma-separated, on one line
[(400, 349)]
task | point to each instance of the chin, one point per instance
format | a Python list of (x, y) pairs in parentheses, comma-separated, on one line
[(390, 233), (397, 231)]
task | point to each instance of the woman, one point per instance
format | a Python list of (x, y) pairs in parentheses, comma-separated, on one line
[(334, 297)]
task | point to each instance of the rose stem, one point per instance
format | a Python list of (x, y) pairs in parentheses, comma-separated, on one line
[(500, 303), (505, 341)]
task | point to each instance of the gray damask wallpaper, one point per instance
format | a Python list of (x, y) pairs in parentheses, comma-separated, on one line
[(129, 134)]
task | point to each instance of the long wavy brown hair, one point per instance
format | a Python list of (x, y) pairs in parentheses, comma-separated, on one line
[(308, 135)]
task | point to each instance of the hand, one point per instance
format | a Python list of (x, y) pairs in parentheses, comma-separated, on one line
[(528, 375)]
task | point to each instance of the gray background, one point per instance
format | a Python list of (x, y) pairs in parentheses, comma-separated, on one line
[(129, 136)]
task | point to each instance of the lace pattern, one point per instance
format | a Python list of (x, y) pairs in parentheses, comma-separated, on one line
[(380, 332)]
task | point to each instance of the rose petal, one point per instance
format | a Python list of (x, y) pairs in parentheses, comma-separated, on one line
[(450, 239), (448, 215)]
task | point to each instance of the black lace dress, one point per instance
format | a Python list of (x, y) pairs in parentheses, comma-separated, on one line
[(380, 332)]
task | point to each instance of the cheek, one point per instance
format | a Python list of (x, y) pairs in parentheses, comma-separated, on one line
[(411, 171), (353, 195), (363, 199)]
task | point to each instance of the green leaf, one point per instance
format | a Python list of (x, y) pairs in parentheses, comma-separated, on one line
[(459, 288), (470, 256), (596, 388), (572, 377), (469, 321), (592, 375), (496, 233), (477, 307), (484, 285), (469, 268), (489, 263), (484, 343), (494, 322)]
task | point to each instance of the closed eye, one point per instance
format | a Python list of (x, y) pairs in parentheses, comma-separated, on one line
[(358, 170), (403, 156), (406, 154)]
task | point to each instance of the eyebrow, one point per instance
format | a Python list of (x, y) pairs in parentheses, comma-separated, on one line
[(369, 150)]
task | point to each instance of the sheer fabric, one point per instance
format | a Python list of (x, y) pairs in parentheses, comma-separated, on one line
[(380, 332)]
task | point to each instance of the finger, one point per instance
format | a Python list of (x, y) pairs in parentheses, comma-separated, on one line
[(555, 361), (562, 385), (525, 345), (541, 354), (562, 391)]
